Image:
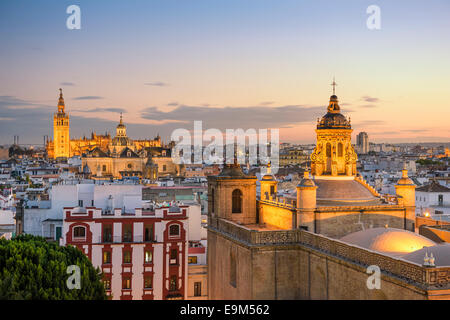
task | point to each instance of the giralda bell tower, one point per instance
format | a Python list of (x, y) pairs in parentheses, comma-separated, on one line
[(61, 137)]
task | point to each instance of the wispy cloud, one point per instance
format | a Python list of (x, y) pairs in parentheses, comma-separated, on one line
[(237, 117), (156, 84), (88, 98), (370, 99), (67, 84), (368, 106), (116, 110), (266, 103), (172, 104)]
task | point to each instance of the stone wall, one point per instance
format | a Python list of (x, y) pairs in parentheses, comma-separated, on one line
[(297, 264)]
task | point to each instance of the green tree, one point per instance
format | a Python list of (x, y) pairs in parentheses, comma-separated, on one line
[(32, 268)]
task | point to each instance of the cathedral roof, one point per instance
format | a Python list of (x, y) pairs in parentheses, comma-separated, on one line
[(396, 242), (128, 153), (97, 152), (343, 192)]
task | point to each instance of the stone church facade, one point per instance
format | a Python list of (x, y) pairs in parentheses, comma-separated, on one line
[(272, 247)]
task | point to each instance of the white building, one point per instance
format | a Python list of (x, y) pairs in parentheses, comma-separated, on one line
[(433, 200)]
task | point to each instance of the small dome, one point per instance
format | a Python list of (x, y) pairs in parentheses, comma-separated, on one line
[(441, 253), (306, 181), (333, 120), (396, 242)]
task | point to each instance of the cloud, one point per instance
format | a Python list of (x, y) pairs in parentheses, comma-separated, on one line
[(67, 84), (173, 104), (237, 117), (156, 84), (416, 130), (116, 110), (369, 123), (370, 99), (368, 106), (266, 103), (88, 98)]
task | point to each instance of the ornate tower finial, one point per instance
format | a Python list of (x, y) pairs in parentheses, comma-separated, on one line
[(61, 102), (334, 84), (121, 118)]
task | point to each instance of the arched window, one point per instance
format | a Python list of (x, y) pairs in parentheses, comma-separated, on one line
[(328, 150), (174, 230), (79, 232), (237, 201), (340, 150)]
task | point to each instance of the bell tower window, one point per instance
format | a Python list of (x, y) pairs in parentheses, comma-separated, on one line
[(237, 201)]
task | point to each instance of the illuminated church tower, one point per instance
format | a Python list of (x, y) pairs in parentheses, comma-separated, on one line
[(334, 154), (61, 138)]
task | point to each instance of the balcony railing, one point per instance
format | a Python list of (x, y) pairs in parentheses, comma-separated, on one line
[(120, 239)]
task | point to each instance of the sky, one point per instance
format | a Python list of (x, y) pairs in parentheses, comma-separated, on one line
[(231, 64)]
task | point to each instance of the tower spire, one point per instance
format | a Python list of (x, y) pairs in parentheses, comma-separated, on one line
[(61, 102), (121, 118)]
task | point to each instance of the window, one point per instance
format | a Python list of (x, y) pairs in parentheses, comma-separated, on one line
[(148, 233), (340, 150), (148, 257), (174, 230), (130, 166), (192, 259), (107, 284), (197, 289), (173, 283), (104, 168), (328, 150), (164, 167), (173, 256), (127, 232), (237, 201), (107, 233), (441, 199), (272, 190), (126, 283), (127, 256), (79, 232), (106, 257), (148, 282), (80, 203)]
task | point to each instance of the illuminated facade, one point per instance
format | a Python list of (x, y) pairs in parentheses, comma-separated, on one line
[(334, 154), (64, 147), (294, 246), (61, 125)]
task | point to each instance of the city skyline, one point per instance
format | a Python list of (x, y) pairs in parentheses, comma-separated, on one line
[(248, 65)]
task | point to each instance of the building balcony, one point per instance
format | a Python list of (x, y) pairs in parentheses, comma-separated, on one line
[(120, 239)]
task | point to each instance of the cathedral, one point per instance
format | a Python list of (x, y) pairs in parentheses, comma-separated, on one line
[(317, 242), (104, 157), (63, 146)]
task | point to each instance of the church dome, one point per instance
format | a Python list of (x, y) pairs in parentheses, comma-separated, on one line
[(441, 253), (333, 119), (396, 242)]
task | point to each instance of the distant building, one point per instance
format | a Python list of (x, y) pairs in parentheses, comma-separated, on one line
[(433, 200), (362, 143)]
